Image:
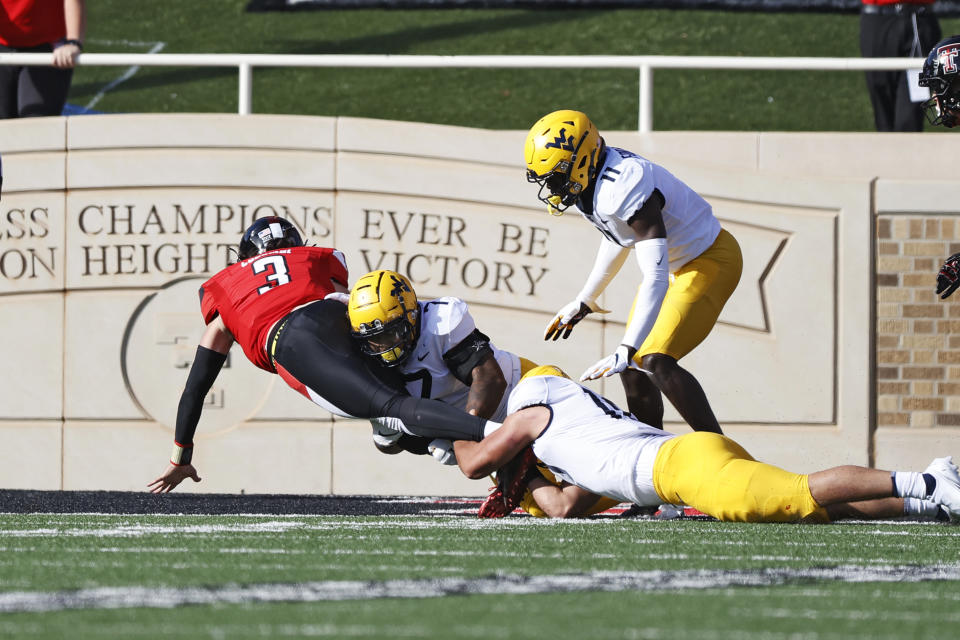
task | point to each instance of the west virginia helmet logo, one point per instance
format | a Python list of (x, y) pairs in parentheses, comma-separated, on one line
[(561, 142), (399, 286)]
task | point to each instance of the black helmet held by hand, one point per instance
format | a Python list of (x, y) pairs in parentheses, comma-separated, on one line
[(941, 72), (266, 234)]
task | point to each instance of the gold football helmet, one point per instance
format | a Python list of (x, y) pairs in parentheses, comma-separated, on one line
[(383, 316), (546, 370), (561, 151)]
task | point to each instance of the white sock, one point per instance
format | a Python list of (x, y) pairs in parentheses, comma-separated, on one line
[(490, 426), (923, 509), (912, 484)]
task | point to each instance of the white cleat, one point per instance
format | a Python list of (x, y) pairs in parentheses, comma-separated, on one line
[(947, 491)]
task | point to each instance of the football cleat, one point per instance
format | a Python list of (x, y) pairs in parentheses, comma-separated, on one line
[(512, 480), (637, 511), (946, 493), (657, 512)]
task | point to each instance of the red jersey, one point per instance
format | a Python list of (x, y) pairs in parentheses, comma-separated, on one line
[(253, 294), (29, 23)]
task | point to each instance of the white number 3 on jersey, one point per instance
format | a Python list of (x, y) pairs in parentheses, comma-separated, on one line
[(279, 274)]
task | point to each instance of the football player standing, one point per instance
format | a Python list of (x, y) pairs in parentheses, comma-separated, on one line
[(272, 302), (690, 264)]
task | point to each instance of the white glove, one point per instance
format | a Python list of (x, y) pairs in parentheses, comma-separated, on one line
[(565, 319), (442, 451), (609, 366), (339, 296)]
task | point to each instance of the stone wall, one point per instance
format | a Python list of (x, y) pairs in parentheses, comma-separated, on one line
[(918, 335), (109, 223)]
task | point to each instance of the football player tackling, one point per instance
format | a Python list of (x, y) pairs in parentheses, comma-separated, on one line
[(599, 450), (455, 362), (438, 351), (272, 302), (690, 264)]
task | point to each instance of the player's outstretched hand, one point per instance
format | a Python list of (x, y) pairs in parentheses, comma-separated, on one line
[(567, 318), (611, 365), (949, 277), (173, 476)]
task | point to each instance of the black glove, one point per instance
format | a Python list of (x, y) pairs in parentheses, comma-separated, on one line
[(949, 277)]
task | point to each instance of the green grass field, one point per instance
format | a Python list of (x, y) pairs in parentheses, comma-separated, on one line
[(100, 576), (451, 577), (499, 99)]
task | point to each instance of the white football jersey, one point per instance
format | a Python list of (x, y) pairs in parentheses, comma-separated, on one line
[(445, 323), (590, 442), (622, 186)]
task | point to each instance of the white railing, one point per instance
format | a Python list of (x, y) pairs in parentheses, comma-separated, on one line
[(245, 62)]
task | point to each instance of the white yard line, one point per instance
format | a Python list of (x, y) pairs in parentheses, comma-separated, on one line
[(329, 591), (155, 47), (138, 530)]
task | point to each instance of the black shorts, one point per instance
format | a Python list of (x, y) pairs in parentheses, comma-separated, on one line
[(30, 91)]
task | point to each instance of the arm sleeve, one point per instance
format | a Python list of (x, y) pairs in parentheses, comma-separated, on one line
[(652, 257), (609, 261), (204, 370), (466, 355)]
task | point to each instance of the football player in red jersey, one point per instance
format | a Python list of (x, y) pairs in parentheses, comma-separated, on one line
[(272, 302)]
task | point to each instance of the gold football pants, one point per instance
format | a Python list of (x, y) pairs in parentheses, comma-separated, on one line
[(715, 475), (694, 300)]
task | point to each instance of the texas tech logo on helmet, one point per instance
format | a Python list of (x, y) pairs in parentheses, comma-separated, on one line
[(947, 58)]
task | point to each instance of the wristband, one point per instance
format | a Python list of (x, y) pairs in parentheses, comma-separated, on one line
[(76, 43), (181, 455)]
